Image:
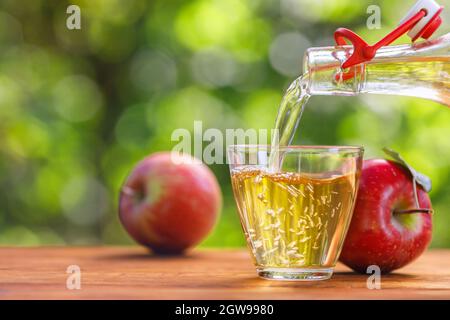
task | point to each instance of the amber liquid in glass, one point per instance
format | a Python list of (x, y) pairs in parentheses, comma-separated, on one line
[(294, 220)]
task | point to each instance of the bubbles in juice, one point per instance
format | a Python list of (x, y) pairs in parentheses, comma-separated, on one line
[(291, 219)]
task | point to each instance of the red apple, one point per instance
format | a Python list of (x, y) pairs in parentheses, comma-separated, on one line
[(379, 233), (169, 202)]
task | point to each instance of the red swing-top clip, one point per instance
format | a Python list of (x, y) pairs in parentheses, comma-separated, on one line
[(422, 21)]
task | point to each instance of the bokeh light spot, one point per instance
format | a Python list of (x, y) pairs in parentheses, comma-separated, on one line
[(213, 67), (205, 23), (153, 71), (132, 130), (286, 53), (77, 98), (84, 200), (338, 11)]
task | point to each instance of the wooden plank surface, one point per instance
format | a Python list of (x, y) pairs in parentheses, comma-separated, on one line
[(132, 273)]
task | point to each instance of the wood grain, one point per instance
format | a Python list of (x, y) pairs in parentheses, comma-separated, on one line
[(133, 273)]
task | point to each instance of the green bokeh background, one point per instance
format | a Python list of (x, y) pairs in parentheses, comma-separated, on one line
[(79, 108)]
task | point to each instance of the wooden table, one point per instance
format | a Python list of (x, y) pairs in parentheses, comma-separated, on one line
[(132, 273)]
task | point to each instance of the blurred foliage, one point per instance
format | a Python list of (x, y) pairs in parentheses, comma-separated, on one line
[(79, 108)]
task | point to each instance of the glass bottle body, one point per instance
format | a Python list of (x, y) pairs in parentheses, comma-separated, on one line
[(419, 70)]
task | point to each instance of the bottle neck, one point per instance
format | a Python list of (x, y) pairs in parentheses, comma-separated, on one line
[(420, 70)]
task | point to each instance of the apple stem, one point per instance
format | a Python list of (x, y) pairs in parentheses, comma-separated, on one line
[(417, 210), (416, 196), (416, 200)]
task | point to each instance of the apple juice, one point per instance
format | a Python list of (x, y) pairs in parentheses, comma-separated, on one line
[(294, 220)]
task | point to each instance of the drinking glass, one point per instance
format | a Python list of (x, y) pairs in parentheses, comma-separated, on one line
[(295, 213)]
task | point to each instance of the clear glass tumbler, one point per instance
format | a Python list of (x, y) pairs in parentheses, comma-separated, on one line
[(295, 218)]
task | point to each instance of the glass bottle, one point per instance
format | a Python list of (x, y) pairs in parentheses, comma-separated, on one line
[(417, 70)]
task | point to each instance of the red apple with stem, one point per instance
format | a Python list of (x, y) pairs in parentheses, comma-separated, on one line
[(169, 202), (388, 229)]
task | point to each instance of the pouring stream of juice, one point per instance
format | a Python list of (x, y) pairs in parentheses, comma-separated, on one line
[(419, 70), (288, 118)]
